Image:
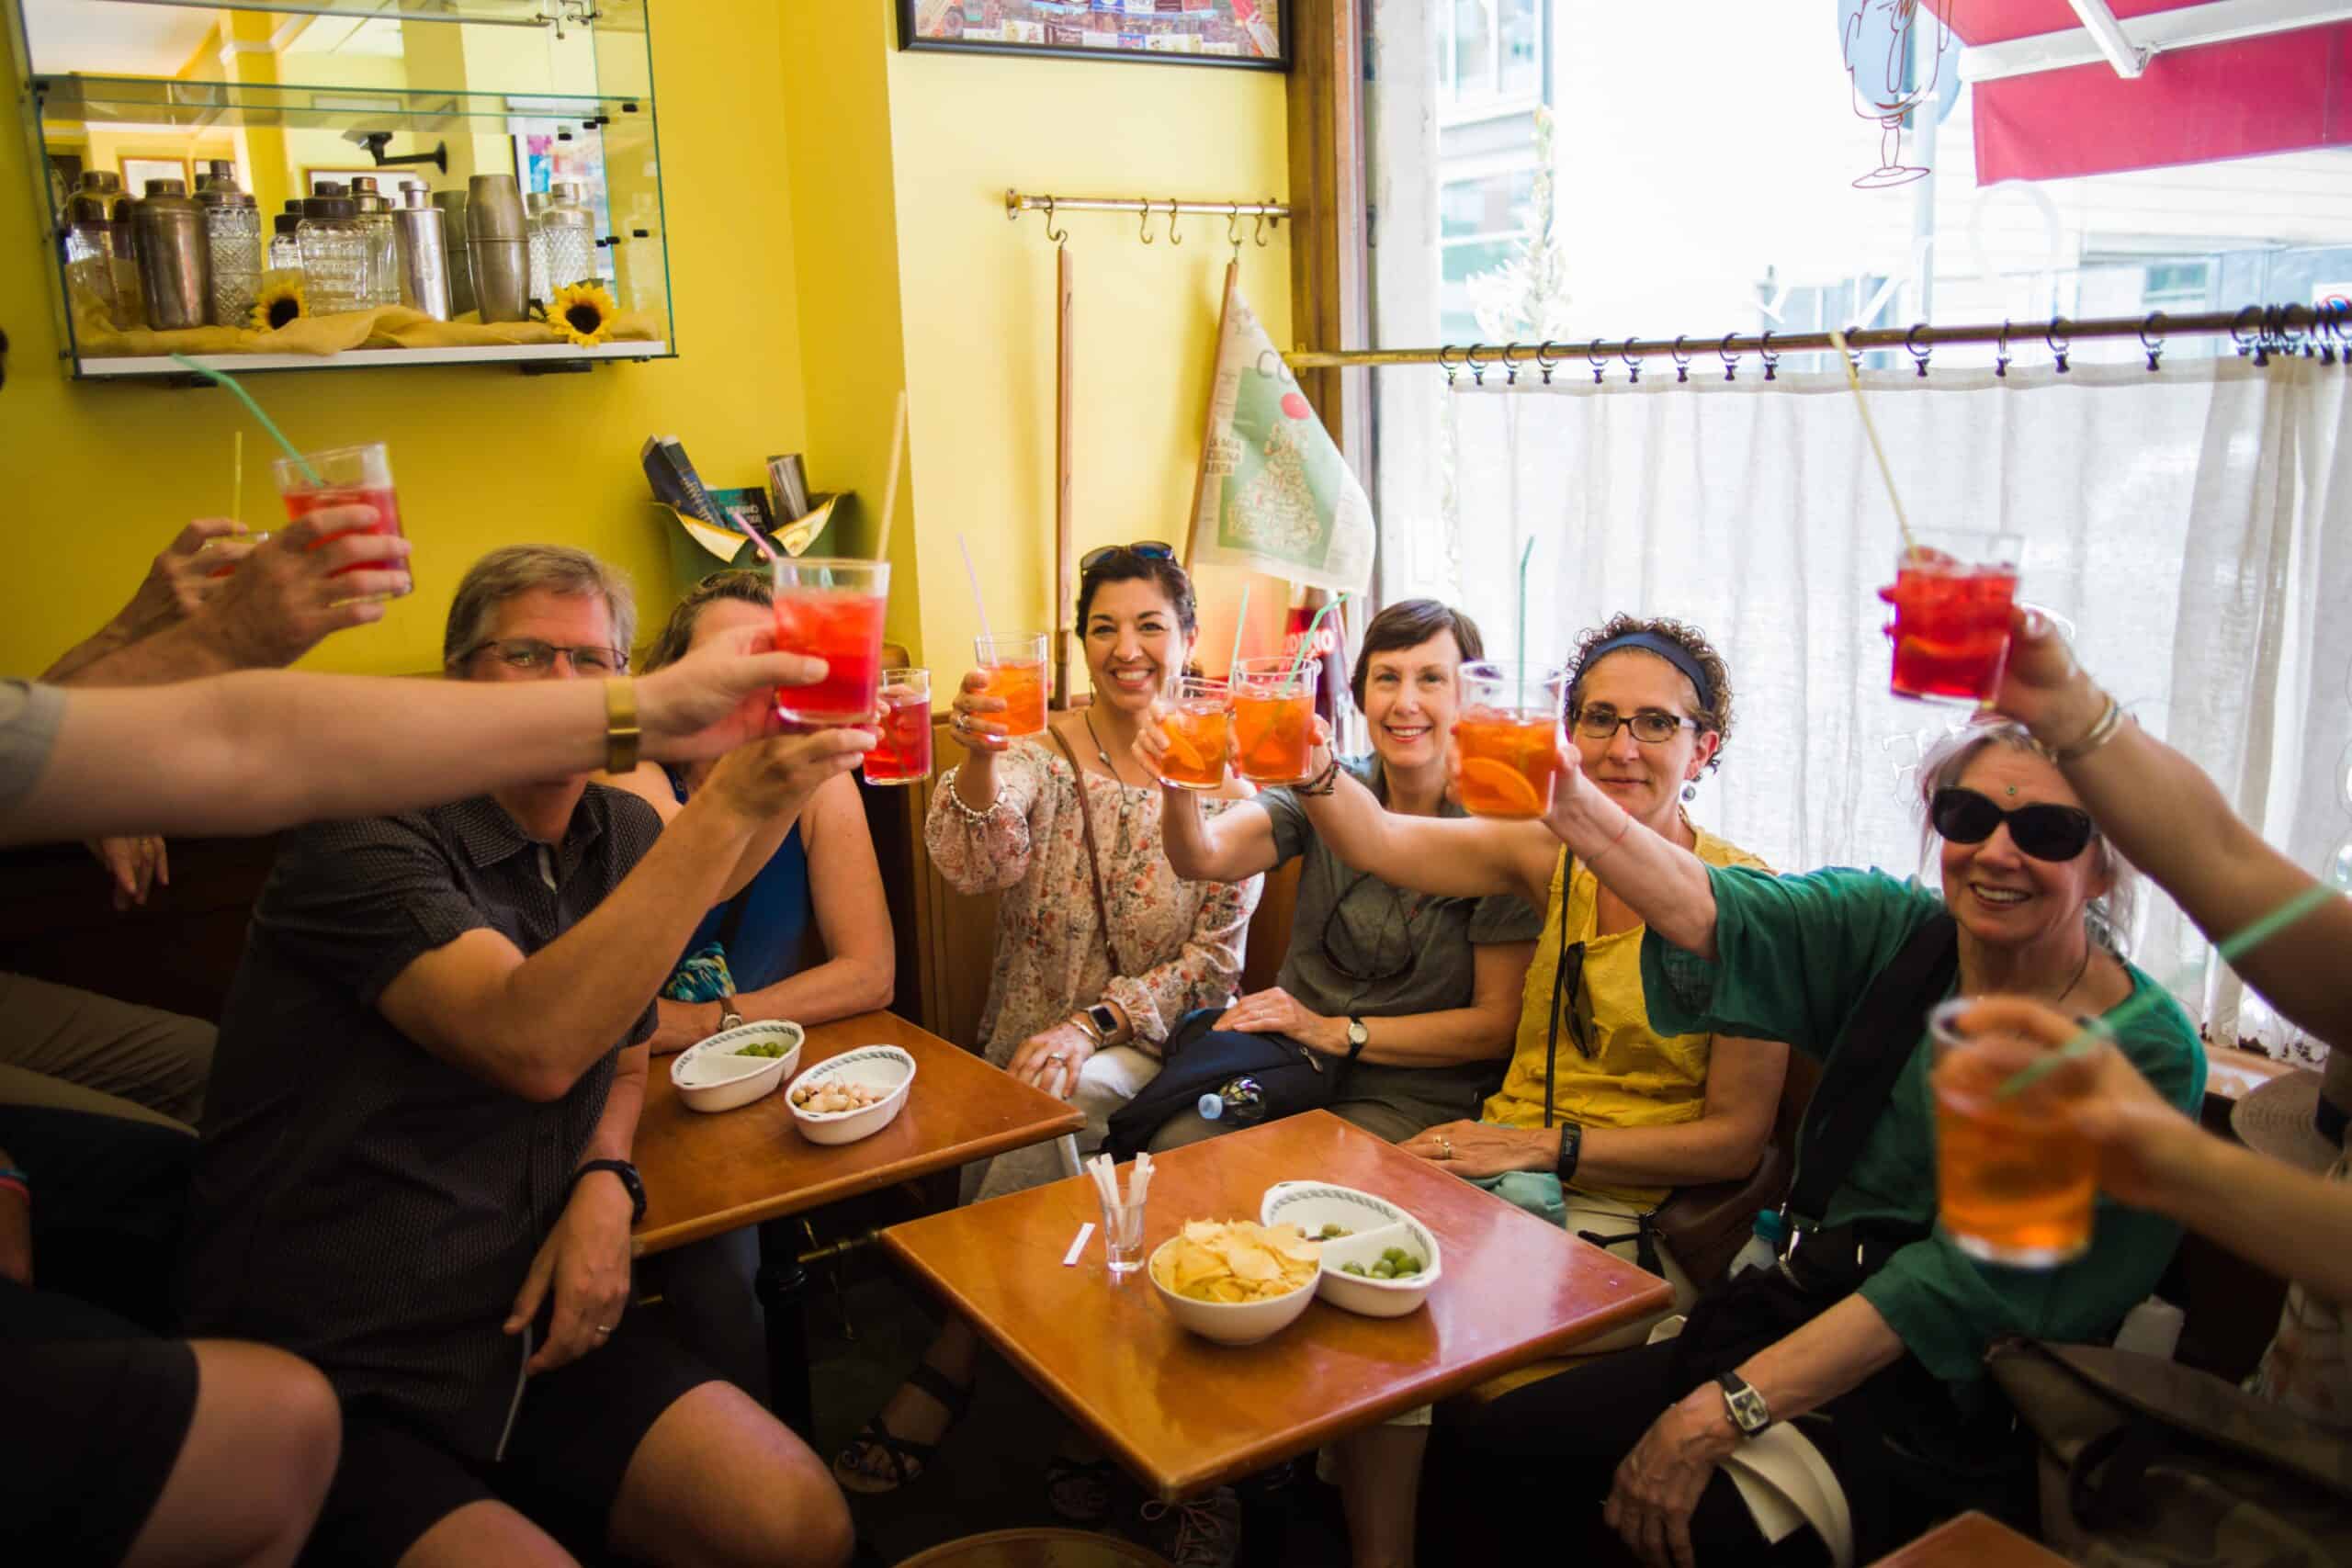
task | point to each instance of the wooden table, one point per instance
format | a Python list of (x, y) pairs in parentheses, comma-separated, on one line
[(706, 1174), (1973, 1540), (1184, 1415)]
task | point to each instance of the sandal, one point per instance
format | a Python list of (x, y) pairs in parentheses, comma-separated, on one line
[(1078, 1490), (906, 1458)]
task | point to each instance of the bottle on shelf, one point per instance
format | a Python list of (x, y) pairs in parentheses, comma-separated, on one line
[(454, 233), (130, 294), (570, 232), (383, 243), (232, 232), (334, 253), (175, 256), (535, 206), (423, 256), (286, 243), (89, 251)]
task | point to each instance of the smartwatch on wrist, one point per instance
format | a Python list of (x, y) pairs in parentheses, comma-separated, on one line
[(629, 1179), (1105, 1022)]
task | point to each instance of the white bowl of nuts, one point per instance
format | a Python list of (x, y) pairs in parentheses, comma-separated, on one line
[(852, 1096)]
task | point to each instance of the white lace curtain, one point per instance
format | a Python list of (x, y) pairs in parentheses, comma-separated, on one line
[(2193, 528)]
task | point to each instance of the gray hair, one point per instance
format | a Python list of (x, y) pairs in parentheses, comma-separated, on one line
[(517, 569), (2107, 917)]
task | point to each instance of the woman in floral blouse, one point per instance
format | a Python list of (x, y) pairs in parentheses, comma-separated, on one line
[(1062, 1012)]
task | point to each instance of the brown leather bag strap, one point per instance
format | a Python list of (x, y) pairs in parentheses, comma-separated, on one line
[(1093, 861)]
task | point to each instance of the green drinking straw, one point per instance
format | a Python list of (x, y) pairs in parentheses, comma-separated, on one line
[(225, 379), (1307, 641), (1525, 556), (2230, 950), (1240, 619)]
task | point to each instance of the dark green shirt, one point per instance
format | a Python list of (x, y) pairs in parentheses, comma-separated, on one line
[(1795, 956)]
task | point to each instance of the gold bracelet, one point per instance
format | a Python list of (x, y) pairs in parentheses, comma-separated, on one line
[(2099, 734), (621, 732)]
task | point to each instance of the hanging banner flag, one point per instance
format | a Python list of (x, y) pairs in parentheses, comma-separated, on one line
[(1273, 494)]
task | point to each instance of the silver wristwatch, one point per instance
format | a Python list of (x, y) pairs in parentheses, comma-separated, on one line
[(1745, 1405)]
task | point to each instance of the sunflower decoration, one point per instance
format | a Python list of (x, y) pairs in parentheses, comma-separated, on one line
[(280, 304), (583, 313)]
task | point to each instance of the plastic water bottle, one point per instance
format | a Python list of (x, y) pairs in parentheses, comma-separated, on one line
[(2152, 1329), (1763, 1249), (1240, 1101)]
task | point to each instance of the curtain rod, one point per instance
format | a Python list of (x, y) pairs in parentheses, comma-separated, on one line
[(2255, 326), (1266, 212)]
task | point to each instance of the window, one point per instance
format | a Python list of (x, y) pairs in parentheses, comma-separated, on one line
[(1482, 220), (1490, 56)]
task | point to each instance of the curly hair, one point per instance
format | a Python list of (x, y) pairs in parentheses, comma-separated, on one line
[(677, 634), (1715, 716)]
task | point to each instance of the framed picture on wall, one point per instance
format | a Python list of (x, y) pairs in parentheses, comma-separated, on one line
[(137, 172), (1251, 34)]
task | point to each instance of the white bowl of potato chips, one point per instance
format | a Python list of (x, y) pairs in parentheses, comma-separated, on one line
[(1236, 1282), (852, 1096)]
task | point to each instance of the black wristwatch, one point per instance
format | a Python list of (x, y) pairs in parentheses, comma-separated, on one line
[(629, 1179), (1571, 1148), (1743, 1405), (1358, 1037)]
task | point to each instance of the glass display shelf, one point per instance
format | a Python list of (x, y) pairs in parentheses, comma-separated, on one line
[(166, 101), (529, 356), (605, 16)]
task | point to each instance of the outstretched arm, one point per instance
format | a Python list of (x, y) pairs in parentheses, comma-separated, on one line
[(1663, 883), (1461, 857)]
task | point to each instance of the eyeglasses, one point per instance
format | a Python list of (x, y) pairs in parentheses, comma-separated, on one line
[(532, 657), (1649, 726), (1150, 549), (2044, 831)]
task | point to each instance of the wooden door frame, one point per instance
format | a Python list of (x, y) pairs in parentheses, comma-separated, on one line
[(1331, 263)]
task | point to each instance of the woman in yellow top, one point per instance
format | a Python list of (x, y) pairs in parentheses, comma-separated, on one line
[(1628, 1114)]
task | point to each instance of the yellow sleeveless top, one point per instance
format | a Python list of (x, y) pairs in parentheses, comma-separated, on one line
[(1633, 1077)]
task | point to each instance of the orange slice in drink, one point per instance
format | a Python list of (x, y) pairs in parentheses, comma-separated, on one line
[(1185, 752), (1506, 782)]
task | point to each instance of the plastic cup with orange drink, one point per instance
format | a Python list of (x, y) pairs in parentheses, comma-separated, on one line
[(2015, 1182), (1951, 596), (1196, 721), (1508, 733), (1274, 719), (831, 607), (1015, 669)]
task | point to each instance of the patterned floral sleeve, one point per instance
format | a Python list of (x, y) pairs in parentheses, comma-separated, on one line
[(1205, 973), (987, 851)]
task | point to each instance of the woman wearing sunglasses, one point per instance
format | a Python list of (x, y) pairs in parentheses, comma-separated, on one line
[(1100, 947), (1873, 1319)]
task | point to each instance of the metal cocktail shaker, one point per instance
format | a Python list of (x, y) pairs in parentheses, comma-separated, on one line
[(424, 256), (452, 204), (498, 245), (175, 256)]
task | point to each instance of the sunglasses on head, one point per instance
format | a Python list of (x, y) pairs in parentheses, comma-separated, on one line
[(2045, 832), (1150, 549)]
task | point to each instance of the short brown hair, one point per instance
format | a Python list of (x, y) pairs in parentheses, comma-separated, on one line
[(677, 633), (517, 569), (1408, 623), (1711, 709)]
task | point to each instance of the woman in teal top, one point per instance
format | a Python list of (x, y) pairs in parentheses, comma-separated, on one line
[(1877, 1329)]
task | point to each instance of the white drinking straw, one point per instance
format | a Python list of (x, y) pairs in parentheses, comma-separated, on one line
[(973, 572), (1870, 428)]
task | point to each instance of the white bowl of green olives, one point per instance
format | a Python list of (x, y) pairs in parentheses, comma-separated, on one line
[(738, 1065), (1378, 1261)]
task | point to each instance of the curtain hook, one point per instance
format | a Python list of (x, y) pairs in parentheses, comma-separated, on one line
[(1446, 365), (1477, 365), (1631, 363), (1059, 237), (2327, 319), (2001, 352), (2156, 344), (1173, 237), (1911, 346), (1681, 362), (1147, 223), (1549, 364), (1771, 360), (1511, 366), (2060, 343), (2237, 333), (1598, 360), (1731, 360)]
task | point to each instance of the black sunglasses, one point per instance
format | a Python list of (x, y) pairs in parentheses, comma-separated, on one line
[(1150, 549), (2045, 832)]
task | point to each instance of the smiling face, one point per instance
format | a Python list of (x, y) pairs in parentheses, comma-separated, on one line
[(1132, 643), (1410, 695), (1644, 777), (2003, 897)]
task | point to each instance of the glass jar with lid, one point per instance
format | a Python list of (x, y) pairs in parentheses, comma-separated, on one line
[(570, 237), (232, 230), (334, 255)]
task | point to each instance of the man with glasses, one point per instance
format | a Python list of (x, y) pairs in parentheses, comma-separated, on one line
[(415, 1165)]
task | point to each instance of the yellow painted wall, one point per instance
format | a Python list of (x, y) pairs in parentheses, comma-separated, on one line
[(980, 341), (99, 475)]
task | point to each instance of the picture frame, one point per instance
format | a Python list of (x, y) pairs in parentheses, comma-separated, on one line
[(1235, 34), (137, 172)]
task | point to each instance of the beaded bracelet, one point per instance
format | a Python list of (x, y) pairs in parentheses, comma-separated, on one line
[(1322, 783), (947, 790)]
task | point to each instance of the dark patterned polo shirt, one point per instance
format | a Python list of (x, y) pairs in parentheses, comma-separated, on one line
[(358, 1200)]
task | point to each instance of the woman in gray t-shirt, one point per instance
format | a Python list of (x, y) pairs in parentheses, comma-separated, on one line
[(1418, 993)]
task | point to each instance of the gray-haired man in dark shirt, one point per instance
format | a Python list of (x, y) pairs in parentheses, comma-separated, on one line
[(414, 1168)]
